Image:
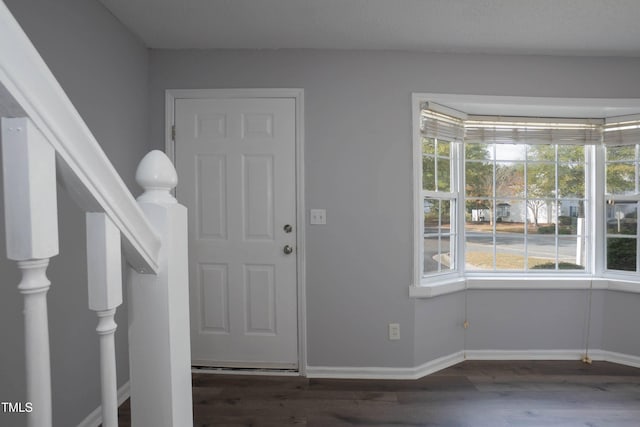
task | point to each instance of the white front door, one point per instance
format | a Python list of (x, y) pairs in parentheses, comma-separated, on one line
[(235, 159)]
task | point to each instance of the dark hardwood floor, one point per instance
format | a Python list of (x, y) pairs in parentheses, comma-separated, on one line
[(472, 393)]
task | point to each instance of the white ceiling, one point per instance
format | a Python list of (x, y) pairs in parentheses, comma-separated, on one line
[(549, 27)]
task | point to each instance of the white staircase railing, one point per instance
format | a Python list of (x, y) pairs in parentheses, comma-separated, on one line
[(44, 140)]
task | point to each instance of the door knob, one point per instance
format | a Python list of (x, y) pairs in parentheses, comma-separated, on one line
[(288, 249)]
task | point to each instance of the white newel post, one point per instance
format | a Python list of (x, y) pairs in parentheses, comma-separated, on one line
[(31, 226), (104, 271), (159, 340)]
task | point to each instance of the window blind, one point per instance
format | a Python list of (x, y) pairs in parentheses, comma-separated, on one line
[(530, 130), (441, 122), (622, 130)]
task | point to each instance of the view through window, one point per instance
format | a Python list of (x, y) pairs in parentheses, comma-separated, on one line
[(517, 194)]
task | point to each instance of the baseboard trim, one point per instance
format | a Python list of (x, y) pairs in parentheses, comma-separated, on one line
[(94, 419), (613, 357), (383, 373), (569, 354)]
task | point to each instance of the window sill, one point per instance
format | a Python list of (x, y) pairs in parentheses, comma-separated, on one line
[(458, 284), (438, 288)]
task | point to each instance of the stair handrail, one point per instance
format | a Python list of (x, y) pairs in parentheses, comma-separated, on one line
[(44, 141), (29, 88)]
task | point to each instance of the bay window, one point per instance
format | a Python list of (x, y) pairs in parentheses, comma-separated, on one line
[(520, 195)]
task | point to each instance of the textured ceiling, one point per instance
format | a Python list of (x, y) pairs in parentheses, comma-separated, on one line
[(550, 27)]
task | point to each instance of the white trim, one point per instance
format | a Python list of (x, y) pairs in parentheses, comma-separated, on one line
[(94, 419), (624, 286), (535, 106), (622, 119), (383, 373), (522, 283), (251, 372), (171, 95), (417, 227), (441, 288), (613, 357), (569, 354)]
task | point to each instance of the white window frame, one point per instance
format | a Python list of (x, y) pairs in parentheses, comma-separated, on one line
[(588, 197), (632, 198), (458, 279)]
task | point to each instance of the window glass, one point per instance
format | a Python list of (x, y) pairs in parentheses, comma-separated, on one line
[(524, 187), (521, 203), (621, 210), (438, 254), (621, 254)]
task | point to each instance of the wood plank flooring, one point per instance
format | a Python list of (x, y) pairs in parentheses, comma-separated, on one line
[(472, 393)]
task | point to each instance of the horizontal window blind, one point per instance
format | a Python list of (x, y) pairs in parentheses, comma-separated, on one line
[(441, 122), (529, 130), (622, 130)]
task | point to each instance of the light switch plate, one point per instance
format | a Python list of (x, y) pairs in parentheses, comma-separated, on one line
[(317, 216)]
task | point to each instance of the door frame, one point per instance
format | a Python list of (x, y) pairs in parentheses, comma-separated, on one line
[(171, 95)]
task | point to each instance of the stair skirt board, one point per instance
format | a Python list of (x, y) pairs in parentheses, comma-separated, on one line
[(354, 372), (94, 419)]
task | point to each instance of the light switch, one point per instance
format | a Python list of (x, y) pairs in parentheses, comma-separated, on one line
[(317, 216)]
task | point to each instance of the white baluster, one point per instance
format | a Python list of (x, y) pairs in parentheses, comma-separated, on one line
[(104, 273), (31, 225), (159, 337)]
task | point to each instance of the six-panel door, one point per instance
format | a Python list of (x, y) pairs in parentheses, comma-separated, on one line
[(236, 174)]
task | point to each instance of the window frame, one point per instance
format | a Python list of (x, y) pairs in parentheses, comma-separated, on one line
[(453, 197), (623, 199), (419, 194), (524, 198), (594, 277)]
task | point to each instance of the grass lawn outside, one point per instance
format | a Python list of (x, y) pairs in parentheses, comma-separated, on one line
[(484, 261)]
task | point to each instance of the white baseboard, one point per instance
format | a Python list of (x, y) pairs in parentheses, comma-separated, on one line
[(594, 354), (94, 419), (613, 357), (569, 354), (353, 372), (382, 373)]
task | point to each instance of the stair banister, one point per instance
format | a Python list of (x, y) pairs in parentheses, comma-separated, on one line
[(44, 138), (31, 228), (29, 89), (104, 278), (160, 362)]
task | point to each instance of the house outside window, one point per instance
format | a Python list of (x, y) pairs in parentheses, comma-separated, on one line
[(524, 188)]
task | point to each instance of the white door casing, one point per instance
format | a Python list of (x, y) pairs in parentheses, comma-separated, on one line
[(236, 162)]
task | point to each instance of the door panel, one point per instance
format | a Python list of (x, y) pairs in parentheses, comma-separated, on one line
[(236, 174)]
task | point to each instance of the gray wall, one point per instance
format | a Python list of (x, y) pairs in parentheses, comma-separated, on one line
[(527, 319), (620, 331), (358, 167), (104, 70)]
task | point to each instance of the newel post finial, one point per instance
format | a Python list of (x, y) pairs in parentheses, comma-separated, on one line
[(157, 175)]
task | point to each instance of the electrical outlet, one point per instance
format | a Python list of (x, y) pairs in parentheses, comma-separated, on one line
[(317, 216), (394, 331)]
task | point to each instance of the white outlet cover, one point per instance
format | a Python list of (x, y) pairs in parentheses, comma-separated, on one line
[(317, 216), (394, 331)]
